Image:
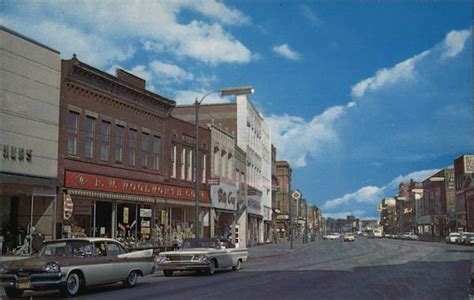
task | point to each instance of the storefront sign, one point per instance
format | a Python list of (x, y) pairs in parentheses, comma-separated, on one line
[(254, 205), (213, 181), (125, 215), (145, 213), (145, 223), (68, 207), (82, 207), (134, 187), (16, 153), (224, 196)]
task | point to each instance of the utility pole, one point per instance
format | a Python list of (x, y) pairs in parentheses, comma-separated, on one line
[(296, 195)]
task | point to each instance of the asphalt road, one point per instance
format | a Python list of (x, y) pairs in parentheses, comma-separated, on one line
[(364, 269)]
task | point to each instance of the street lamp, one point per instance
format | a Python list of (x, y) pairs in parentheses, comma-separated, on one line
[(222, 92)]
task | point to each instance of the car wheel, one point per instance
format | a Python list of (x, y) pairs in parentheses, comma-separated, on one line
[(212, 268), (132, 279), (168, 273), (73, 285), (237, 266), (13, 292)]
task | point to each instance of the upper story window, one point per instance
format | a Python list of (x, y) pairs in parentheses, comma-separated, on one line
[(144, 150), (204, 163), (119, 130), (156, 152), (89, 129), (104, 140), (189, 166), (72, 132), (183, 162), (132, 147), (173, 162)]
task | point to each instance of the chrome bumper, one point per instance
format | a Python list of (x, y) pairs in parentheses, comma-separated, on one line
[(32, 281), (183, 266)]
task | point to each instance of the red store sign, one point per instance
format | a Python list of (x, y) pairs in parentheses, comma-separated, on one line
[(119, 185)]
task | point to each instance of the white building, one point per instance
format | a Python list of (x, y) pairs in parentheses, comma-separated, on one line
[(29, 131)]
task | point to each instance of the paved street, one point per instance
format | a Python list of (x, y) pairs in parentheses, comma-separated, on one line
[(367, 268)]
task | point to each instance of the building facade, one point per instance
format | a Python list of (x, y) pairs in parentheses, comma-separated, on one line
[(29, 133), (283, 174), (464, 199), (125, 166)]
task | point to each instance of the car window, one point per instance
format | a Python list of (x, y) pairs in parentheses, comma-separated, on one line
[(100, 249), (113, 249)]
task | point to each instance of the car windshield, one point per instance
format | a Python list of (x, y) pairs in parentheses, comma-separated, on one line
[(66, 248), (200, 244)]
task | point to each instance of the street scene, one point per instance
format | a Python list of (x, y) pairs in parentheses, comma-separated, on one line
[(220, 149)]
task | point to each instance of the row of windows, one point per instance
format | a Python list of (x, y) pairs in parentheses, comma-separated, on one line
[(105, 140), (186, 166)]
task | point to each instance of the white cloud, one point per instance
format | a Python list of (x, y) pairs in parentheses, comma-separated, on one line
[(88, 46), (454, 43), (184, 97), (285, 51), (295, 138), (170, 72), (366, 194), (373, 194), (219, 11), (384, 77), (310, 15), (155, 24)]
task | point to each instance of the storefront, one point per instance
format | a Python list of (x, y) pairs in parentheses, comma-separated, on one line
[(131, 210), (224, 208), (255, 218)]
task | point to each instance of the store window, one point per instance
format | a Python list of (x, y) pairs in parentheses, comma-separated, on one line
[(223, 159), (182, 162), (119, 143), (89, 127), (104, 140), (173, 162), (144, 150), (72, 132), (132, 147), (156, 152)]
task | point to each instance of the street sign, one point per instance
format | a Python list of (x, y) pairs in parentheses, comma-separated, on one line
[(213, 181), (296, 195)]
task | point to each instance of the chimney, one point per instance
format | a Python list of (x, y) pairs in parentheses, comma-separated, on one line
[(130, 78)]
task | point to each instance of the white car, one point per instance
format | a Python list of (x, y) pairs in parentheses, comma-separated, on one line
[(202, 255), (349, 238), (331, 236), (410, 236), (453, 238)]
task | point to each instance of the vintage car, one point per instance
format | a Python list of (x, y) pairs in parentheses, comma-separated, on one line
[(202, 255), (453, 237), (349, 237), (73, 264), (331, 236)]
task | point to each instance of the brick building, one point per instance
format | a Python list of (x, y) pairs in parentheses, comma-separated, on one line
[(283, 173), (464, 182), (125, 165)]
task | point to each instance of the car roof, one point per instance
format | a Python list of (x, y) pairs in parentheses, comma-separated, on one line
[(85, 239)]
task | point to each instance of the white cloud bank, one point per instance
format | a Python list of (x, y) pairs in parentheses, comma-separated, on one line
[(373, 194), (156, 25), (285, 51)]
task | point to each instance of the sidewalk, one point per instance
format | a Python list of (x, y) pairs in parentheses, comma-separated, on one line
[(270, 250)]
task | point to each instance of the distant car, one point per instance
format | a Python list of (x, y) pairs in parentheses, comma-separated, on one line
[(453, 238), (331, 236), (202, 255), (460, 241), (349, 238), (409, 236), (72, 264), (467, 238), (377, 233)]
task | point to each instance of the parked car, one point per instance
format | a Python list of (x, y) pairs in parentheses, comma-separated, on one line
[(466, 238), (377, 233), (453, 237), (349, 238), (460, 241), (410, 236), (331, 236), (202, 255), (73, 264)]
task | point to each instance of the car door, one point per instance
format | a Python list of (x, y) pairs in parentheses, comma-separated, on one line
[(102, 268), (121, 266)]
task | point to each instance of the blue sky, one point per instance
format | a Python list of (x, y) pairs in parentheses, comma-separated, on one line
[(360, 94)]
